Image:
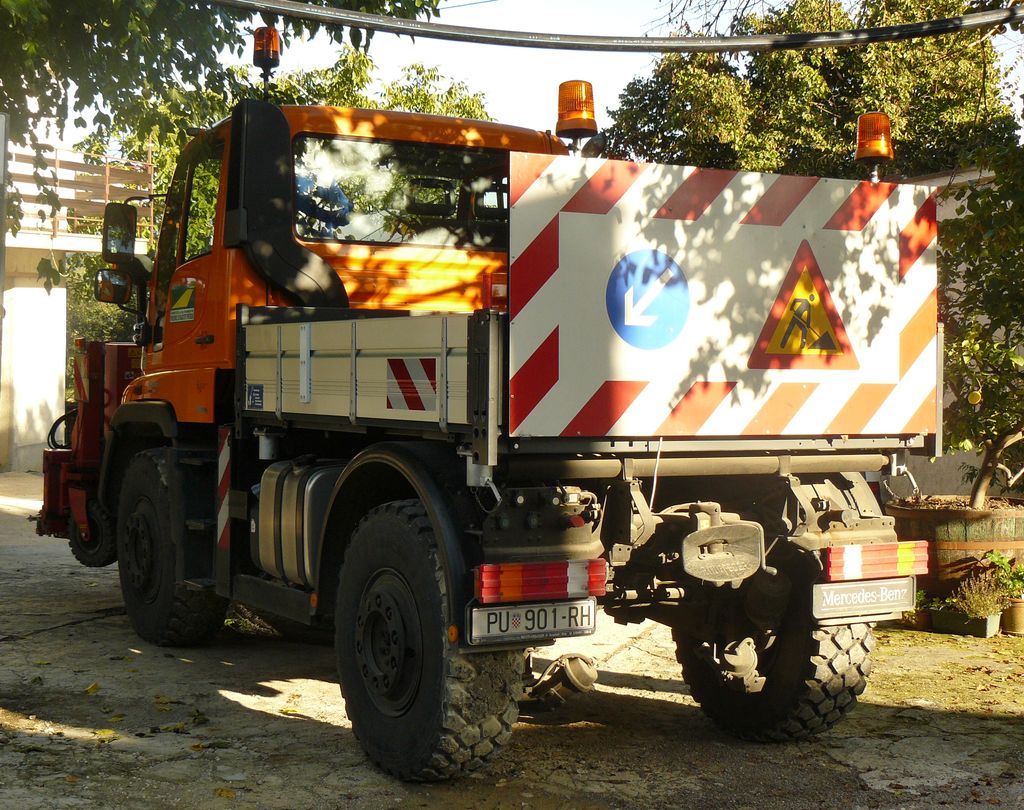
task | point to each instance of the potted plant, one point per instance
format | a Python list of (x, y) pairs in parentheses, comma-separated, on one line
[(974, 609), (981, 263), (1010, 576)]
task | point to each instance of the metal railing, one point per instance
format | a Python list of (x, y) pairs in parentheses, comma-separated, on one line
[(83, 184)]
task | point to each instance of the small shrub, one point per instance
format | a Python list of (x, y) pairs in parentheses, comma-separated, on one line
[(980, 595)]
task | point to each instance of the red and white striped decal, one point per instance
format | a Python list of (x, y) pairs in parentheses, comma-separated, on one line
[(412, 384), (877, 561), (223, 487), (735, 235)]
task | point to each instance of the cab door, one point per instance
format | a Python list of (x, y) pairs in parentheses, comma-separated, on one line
[(188, 300)]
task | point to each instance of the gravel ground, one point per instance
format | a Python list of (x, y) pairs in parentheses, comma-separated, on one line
[(92, 716)]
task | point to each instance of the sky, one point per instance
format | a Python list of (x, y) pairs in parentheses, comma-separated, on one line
[(520, 85)]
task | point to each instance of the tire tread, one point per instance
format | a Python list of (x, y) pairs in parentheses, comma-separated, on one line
[(481, 690), (835, 675)]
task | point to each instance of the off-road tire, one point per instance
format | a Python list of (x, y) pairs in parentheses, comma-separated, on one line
[(441, 712), (101, 549), (813, 681), (161, 610)]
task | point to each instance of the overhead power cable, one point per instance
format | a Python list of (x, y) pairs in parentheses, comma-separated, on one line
[(992, 18)]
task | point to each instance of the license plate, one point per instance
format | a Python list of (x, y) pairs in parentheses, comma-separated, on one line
[(577, 617), (871, 597)]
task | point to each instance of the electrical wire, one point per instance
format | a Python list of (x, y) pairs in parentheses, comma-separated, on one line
[(992, 18)]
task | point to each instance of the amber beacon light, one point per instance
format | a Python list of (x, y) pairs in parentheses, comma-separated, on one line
[(576, 110), (874, 140), (266, 54)]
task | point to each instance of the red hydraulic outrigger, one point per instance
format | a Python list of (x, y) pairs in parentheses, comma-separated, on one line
[(71, 472)]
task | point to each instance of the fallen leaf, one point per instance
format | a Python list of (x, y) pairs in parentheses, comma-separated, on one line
[(174, 728), (71, 779), (92, 688), (163, 700), (41, 663), (198, 718), (224, 793), (116, 718), (105, 732), (197, 747), (289, 711)]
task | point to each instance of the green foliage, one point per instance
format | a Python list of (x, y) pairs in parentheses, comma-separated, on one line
[(1009, 575), (981, 264), (420, 90), (796, 111)]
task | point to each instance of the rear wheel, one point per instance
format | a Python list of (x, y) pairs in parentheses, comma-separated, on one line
[(421, 709), (161, 610), (812, 680)]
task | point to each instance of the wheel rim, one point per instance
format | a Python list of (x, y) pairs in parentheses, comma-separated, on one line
[(142, 551), (388, 643)]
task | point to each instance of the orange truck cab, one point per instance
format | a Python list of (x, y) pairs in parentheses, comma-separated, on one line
[(368, 209)]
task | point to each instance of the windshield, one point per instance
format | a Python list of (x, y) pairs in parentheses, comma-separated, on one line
[(395, 192)]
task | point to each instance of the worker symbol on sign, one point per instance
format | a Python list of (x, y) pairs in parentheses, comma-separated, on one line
[(799, 323), (803, 329)]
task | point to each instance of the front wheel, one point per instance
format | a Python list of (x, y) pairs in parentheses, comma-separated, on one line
[(101, 548), (421, 709), (160, 609), (812, 681)]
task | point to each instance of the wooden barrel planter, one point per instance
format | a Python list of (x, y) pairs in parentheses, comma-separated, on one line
[(958, 539)]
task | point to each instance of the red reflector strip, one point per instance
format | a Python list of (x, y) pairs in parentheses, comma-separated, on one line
[(877, 561), (531, 582)]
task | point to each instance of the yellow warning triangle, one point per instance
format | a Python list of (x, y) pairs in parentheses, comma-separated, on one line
[(803, 328)]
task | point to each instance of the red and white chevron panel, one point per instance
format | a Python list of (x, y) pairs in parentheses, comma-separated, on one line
[(641, 359), (223, 487), (412, 384)]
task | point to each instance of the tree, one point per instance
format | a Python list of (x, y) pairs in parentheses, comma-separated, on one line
[(420, 90), (981, 253), (796, 111), (63, 58)]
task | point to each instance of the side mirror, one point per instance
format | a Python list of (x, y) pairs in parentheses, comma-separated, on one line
[(119, 223), (112, 287)]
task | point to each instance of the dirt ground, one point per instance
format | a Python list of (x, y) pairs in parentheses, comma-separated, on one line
[(92, 716)]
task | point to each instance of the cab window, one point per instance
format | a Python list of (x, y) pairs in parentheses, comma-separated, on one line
[(396, 192), (191, 201), (202, 207)]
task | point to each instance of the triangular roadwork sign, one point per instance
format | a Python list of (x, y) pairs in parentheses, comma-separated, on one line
[(803, 329)]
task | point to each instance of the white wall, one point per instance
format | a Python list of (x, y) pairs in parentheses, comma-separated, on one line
[(32, 375)]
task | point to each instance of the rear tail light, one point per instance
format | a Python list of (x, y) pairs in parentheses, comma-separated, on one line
[(876, 561), (533, 582)]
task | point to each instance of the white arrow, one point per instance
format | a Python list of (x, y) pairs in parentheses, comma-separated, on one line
[(634, 311)]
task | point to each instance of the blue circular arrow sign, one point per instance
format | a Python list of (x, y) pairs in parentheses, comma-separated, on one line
[(648, 299)]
